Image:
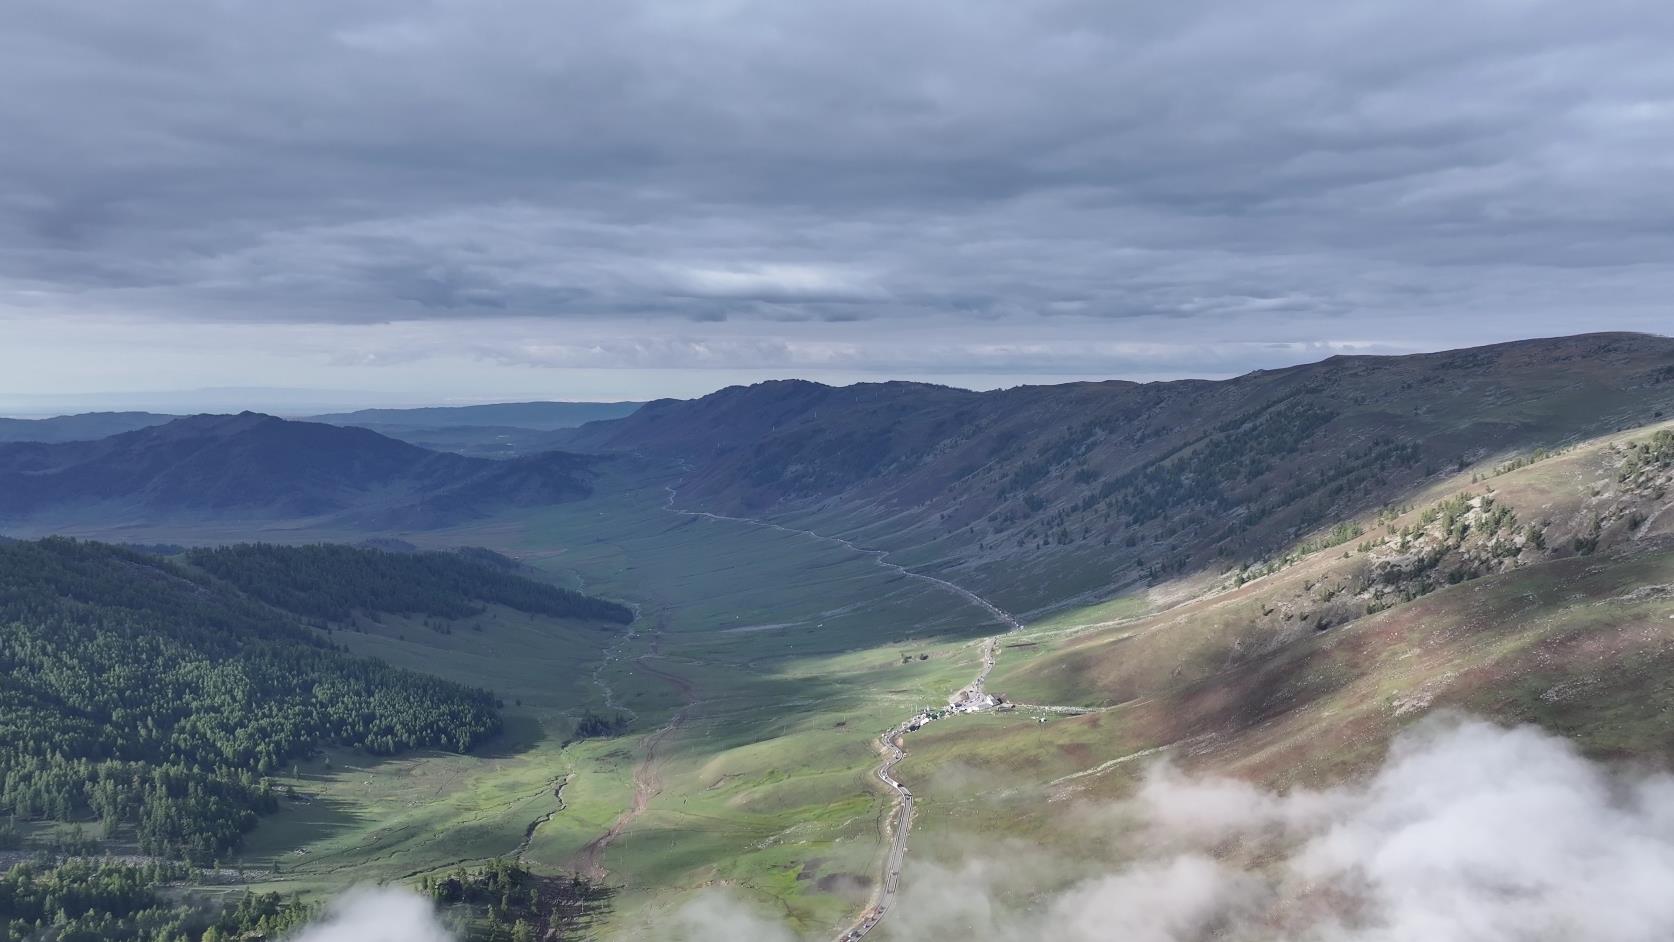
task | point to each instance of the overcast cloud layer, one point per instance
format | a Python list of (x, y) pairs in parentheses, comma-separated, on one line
[(459, 197)]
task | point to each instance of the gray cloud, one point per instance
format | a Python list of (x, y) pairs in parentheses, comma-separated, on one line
[(380, 914), (915, 356), (1230, 169)]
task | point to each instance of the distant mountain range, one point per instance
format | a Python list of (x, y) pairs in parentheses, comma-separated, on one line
[(1050, 489), (86, 427), (497, 430), (253, 466), (1040, 491), (540, 416)]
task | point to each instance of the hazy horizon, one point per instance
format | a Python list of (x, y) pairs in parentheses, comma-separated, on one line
[(295, 402)]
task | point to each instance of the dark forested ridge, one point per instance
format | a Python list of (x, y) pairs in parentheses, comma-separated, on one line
[(1107, 484), (252, 466), (157, 699), (331, 581)]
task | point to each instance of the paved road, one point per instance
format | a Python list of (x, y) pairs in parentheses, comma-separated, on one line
[(901, 820), (900, 825)]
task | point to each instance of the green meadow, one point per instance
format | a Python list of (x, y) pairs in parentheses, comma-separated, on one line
[(762, 669)]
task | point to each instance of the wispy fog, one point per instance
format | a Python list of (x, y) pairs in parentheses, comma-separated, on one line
[(720, 916), (378, 915), (1469, 831)]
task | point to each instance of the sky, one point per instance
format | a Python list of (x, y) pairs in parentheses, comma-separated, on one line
[(361, 202)]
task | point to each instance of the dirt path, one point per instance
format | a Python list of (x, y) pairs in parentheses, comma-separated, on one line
[(647, 777), (879, 556), (648, 784)]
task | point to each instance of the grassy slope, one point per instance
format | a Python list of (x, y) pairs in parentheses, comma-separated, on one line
[(1579, 644), (382, 819)]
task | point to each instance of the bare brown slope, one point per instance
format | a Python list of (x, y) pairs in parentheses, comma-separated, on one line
[(1546, 594)]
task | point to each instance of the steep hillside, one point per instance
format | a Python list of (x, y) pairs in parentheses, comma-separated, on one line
[(1047, 492), (253, 466), (1535, 591), (84, 427), (1532, 591)]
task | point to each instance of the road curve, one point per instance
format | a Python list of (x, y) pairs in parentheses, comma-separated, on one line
[(893, 742), (900, 825)]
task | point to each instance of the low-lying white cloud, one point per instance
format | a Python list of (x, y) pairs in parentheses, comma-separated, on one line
[(719, 916), (1468, 832), (378, 915)]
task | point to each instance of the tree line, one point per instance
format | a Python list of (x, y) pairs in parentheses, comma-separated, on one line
[(504, 902), (157, 700), (88, 901)]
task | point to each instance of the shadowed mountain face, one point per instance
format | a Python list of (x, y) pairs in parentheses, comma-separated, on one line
[(1139, 481), (87, 426), (253, 466)]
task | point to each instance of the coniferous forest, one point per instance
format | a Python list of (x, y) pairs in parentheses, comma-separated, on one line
[(156, 697), (154, 693), (97, 901)]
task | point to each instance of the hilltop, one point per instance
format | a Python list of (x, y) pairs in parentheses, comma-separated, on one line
[(83, 427)]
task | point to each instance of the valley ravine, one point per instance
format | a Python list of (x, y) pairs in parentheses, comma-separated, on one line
[(971, 698)]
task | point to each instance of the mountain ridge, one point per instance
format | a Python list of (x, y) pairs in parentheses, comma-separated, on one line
[(83, 426), (1132, 481), (254, 466)]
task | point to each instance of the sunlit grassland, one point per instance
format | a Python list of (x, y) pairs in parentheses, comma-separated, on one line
[(789, 656), (380, 819)]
